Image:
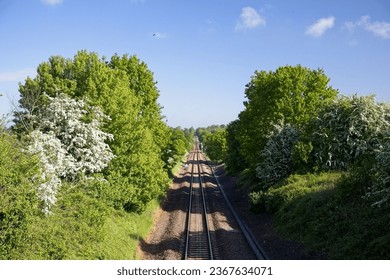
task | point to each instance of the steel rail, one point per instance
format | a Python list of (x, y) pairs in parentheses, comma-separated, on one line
[(198, 252), (256, 248), (201, 184), (188, 218)]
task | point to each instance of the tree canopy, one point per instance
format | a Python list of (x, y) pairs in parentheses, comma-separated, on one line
[(125, 90), (290, 95)]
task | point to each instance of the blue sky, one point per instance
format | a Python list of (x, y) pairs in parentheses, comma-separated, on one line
[(203, 52)]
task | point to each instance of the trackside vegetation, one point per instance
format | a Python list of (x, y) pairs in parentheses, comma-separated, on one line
[(89, 156), (86, 160), (318, 160)]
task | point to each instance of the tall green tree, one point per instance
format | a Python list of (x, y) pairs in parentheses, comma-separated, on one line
[(291, 95), (177, 147), (234, 160), (141, 82)]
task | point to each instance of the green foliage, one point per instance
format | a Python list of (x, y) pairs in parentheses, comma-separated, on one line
[(190, 134), (19, 203), (202, 132), (330, 203), (176, 148), (141, 82), (350, 133), (215, 145), (82, 227), (213, 141), (94, 214), (307, 206), (288, 190), (291, 95), (125, 90), (72, 230), (235, 162), (379, 192), (123, 231), (302, 155)]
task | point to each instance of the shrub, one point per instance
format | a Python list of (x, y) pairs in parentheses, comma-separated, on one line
[(379, 192), (74, 227), (335, 219), (276, 158), (19, 203), (291, 189)]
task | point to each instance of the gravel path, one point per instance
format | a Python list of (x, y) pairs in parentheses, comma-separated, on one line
[(165, 242)]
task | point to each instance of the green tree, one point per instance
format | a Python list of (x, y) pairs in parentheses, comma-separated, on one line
[(234, 160), (215, 145), (141, 82), (177, 147), (125, 91), (291, 95)]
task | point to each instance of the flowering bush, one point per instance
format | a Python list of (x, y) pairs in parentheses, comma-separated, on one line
[(276, 158), (348, 129), (68, 146)]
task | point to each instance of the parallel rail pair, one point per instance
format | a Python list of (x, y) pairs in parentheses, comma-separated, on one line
[(198, 244)]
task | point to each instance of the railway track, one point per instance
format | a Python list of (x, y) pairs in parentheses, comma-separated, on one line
[(198, 237), (198, 242)]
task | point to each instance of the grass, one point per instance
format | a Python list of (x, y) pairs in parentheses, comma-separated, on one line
[(327, 212), (123, 230)]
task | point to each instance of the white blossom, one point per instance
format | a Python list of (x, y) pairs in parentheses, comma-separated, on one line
[(276, 157), (349, 128), (68, 146)]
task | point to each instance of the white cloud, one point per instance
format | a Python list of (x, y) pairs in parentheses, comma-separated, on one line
[(249, 18), (318, 28), (17, 76), (52, 2), (380, 29)]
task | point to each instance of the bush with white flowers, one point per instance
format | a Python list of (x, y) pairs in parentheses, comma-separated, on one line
[(276, 158), (349, 128), (67, 144)]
